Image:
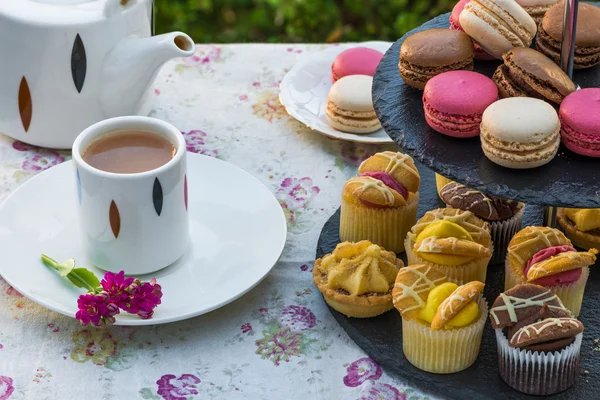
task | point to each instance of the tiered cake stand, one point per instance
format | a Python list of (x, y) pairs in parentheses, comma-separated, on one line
[(568, 181)]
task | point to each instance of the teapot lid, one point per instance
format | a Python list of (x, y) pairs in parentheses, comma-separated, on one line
[(63, 11)]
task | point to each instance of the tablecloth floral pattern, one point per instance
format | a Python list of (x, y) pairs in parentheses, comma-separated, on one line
[(279, 341)]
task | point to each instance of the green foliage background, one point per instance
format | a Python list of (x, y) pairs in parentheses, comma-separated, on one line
[(288, 21)]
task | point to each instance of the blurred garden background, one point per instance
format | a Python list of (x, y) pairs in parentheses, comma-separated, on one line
[(289, 21)]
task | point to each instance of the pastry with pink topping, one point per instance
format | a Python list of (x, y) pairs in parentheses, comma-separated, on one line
[(380, 204), (545, 256)]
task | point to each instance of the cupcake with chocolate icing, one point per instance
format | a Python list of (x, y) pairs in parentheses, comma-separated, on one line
[(380, 204), (442, 322), (454, 242), (503, 216), (582, 226), (544, 256), (538, 339)]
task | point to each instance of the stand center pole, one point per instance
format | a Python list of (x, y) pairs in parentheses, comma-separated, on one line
[(567, 53)]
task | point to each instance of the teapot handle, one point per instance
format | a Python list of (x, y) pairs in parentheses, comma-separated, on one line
[(112, 7)]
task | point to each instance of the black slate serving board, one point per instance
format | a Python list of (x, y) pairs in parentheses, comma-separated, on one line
[(569, 180), (381, 337)]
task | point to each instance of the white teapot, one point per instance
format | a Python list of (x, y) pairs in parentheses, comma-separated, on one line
[(66, 64)]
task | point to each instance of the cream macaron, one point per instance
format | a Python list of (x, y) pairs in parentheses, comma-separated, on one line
[(520, 132), (350, 105), (498, 25)]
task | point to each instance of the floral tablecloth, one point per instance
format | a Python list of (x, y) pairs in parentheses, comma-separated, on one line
[(277, 342)]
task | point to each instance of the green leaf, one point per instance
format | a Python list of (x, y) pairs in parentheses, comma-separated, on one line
[(148, 394), (124, 359), (77, 275)]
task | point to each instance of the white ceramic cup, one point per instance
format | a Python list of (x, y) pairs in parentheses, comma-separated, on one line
[(137, 222)]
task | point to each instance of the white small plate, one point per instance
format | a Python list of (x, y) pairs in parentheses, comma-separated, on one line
[(237, 233), (305, 87)]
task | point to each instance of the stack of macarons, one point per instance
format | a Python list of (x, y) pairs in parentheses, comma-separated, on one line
[(523, 132), (349, 103), (483, 29)]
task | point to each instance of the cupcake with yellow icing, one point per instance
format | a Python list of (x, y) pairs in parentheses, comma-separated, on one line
[(357, 278), (582, 226), (454, 242), (380, 204), (544, 256), (442, 322)]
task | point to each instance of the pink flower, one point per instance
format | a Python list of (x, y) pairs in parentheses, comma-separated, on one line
[(116, 286), (170, 388), (143, 298), (195, 143), (205, 54), (362, 370), (298, 318), (296, 193), (41, 161), (96, 309), (243, 97), (246, 327), (20, 146), (11, 291), (381, 391), (6, 387), (304, 267)]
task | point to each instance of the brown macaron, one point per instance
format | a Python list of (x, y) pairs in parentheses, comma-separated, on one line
[(429, 53), (529, 73), (587, 41)]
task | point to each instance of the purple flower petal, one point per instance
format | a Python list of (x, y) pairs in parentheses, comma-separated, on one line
[(362, 370)]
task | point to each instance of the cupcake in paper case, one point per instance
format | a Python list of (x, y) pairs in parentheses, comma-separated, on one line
[(582, 226), (442, 322), (504, 216), (454, 242), (357, 278), (539, 340), (545, 257), (380, 204)]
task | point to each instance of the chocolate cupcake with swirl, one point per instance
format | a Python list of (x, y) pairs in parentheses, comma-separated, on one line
[(380, 204), (538, 339), (544, 256), (454, 242), (504, 216)]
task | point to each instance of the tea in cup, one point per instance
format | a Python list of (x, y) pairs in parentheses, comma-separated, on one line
[(132, 190)]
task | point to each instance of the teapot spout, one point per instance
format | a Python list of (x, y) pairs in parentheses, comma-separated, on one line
[(131, 67)]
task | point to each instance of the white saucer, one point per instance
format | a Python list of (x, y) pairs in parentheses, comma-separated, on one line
[(237, 233), (305, 87)]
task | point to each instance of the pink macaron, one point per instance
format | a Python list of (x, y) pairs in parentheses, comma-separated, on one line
[(580, 122), (480, 53), (355, 61), (454, 102)]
